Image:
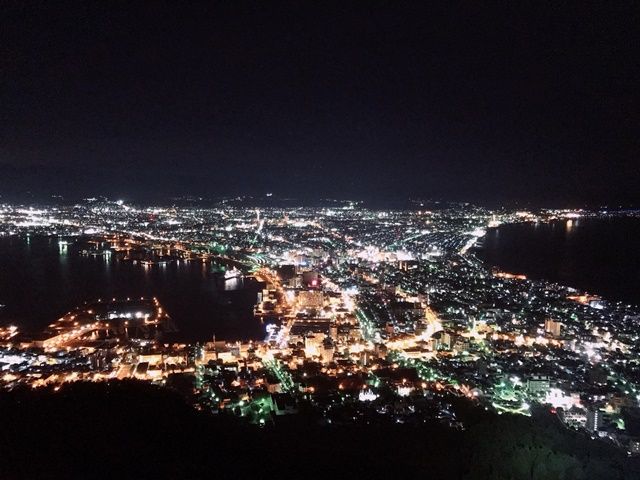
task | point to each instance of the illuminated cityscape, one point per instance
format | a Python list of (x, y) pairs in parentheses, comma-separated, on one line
[(335, 240), (368, 316)]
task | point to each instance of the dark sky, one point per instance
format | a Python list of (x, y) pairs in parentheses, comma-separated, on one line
[(462, 101)]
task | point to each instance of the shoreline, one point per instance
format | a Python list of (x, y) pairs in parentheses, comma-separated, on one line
[(492, 262)]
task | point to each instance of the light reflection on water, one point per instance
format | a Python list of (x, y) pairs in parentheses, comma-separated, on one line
[(597, 255), (40, 280)]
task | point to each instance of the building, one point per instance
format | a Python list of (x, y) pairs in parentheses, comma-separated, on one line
[(538, 385), (574, 417), (442, 340), (594, 419), (311, 279), (327, 351), (552, 327), (310, 299)]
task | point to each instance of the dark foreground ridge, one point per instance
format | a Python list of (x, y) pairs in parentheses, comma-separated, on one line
[(135, 430)]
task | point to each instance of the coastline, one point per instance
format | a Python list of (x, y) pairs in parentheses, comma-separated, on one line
[(566, 253)]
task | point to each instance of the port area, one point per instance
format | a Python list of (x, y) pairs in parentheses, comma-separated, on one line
[(106, 321)]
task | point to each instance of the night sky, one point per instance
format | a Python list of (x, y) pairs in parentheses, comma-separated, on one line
[(369, 100)]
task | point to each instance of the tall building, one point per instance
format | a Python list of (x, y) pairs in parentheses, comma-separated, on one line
[(552, 327), (594, 419), (442, 340), (326, 353)]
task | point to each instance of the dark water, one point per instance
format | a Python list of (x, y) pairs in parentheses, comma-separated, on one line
[(40, 281), (601, 256)]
